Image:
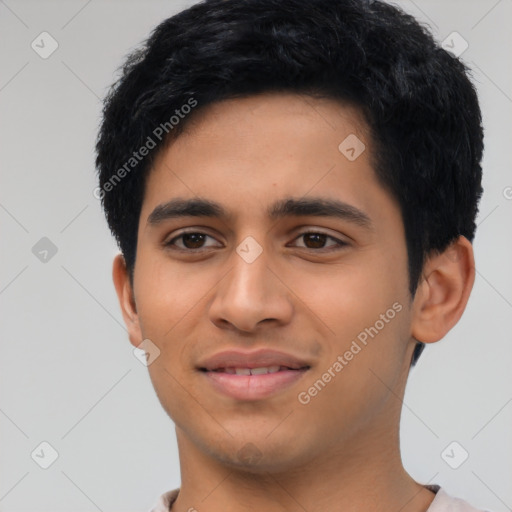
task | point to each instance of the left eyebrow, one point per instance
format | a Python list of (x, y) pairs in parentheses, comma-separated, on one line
[(176, 208), (289, 207), (320, 207)]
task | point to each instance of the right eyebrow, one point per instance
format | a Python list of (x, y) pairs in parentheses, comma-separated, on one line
[(186, 208)]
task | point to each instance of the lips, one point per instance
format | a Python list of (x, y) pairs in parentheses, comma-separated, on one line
[(262, 370), (253, 360), (252, 375)]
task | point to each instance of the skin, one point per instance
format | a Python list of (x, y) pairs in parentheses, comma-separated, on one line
[(341, 450)]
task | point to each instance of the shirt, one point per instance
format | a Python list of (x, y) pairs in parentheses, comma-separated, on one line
[(443, 502)]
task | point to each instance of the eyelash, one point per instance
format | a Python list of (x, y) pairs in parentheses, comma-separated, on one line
[(340, 243)]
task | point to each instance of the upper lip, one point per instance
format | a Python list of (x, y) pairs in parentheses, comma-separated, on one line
[(254, 359)]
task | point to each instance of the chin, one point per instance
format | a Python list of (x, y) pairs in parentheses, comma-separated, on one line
[(259, 456)]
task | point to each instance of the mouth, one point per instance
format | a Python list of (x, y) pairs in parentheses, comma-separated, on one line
[(262, 370), (252, 376)]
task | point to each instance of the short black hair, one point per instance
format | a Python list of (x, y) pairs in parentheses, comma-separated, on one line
[(416, 98)]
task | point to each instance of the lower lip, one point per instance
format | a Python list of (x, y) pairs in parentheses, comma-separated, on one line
[(253, 387)]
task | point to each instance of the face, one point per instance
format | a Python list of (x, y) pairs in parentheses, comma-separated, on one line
[(296, 265)]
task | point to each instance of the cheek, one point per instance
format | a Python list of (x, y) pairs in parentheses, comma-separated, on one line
[(348, 297), (166, 294), (365, 307), (169, 299), (363, 363)]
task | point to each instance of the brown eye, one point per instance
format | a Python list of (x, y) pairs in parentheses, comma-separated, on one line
[(316, 240), (191, 241)]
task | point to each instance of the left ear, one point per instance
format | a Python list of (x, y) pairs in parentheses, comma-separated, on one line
[(443, 292)]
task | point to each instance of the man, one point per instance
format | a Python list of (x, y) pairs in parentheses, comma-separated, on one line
[(293, 186)]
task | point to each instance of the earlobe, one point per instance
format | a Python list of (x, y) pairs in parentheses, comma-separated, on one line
[(126, 299), (443, 293)]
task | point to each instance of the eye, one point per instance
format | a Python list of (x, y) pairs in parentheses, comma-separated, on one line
[(195, 241), (190, 241), (318, 240)]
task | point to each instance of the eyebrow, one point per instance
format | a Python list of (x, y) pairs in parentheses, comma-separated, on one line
[(289, 207)]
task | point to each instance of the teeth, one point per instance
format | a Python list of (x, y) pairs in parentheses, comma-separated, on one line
[(264, 369), (252, 371)]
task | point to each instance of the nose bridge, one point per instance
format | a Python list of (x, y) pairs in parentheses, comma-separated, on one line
[(250, 293), (250, 274)]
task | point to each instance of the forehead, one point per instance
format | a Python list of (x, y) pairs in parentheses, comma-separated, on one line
[(276, 105), (274, 118), (246, 153)]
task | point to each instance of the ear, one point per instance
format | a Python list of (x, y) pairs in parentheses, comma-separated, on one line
[(126, 299), (443, 292)]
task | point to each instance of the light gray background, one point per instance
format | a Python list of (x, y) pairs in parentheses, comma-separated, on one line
[(68, 374)]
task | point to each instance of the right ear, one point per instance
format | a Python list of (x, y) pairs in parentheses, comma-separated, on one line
[(126, 299)]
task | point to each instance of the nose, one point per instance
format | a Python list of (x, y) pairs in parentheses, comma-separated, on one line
[(250, 297)]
